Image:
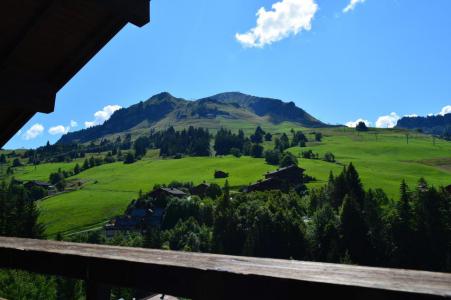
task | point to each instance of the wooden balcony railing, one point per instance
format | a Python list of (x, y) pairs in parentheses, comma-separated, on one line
[(208, 276)]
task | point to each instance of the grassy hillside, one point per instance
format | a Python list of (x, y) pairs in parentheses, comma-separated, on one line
[(383, 158), (384, 162), (110, 188)]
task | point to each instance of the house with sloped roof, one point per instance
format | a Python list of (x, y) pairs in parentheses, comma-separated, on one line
[(167, 192), (292, 174), (448, 188), (200, 190), (280, 179)]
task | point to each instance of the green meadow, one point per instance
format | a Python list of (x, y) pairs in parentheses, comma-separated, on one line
[(383, 158), (110, 188)]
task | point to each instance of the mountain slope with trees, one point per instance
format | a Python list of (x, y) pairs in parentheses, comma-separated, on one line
[(164, 110), (437, 125)]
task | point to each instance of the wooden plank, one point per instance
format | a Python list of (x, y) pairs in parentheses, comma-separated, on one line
[(209, 276)]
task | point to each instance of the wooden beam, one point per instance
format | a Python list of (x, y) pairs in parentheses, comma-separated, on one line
[(81, 56), (11, 120), (209, 276), (136, 12), (26, 93)]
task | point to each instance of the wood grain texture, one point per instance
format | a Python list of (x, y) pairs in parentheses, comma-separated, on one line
[(210, 276)]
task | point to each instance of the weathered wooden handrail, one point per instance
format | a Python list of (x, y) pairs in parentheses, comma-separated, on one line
[(208, 276)]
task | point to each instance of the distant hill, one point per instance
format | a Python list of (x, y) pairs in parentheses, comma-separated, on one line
[(223, 110), (438, 125)]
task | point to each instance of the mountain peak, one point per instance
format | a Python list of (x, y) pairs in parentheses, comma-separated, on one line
[(162, 96), (163, 110)]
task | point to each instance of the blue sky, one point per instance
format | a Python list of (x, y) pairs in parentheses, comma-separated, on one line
[(340, 60)]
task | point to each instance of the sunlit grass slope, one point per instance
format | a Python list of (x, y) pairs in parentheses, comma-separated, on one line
[(111, 187)]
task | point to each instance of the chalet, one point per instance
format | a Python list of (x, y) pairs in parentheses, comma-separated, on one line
[(121, 224), (156, 218), (200, 190), (31, 184), (265, 185), (279, 179), (147, 216), (448, 188), (139, 213), (291, 174), (135, 220), (167, 192)]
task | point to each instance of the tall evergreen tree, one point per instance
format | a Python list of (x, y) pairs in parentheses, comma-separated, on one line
[(354, 185), (354, 230)]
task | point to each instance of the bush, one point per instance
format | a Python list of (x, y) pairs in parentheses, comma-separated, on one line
[(272, 157), (309, 154), (61, 185), (16, 163), (361, 127), (288, 159), (257, 151), (236, 152), (56, 177), (329, 157), (318, 136), (213, 191), (37, 193), (221, 174), (109, 159), (268, 137), (129, 159)]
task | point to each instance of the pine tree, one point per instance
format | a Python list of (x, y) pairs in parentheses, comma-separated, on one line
[(402, 230), (404, 209), (284, 142), (268, 137), (354, 185), (226, 191), (325, 235), (354, 230), (86, 164), (77, 169)]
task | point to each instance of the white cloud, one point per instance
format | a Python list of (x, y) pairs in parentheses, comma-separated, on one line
[(354, 124), (388, 121), (287, 17), (34, 131), (60, 129), (102, 115), (411, 116), (90, 124), (445, 110), (352, 4), (73, 124)]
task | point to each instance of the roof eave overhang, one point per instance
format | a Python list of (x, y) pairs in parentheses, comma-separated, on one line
[(57, 36)]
